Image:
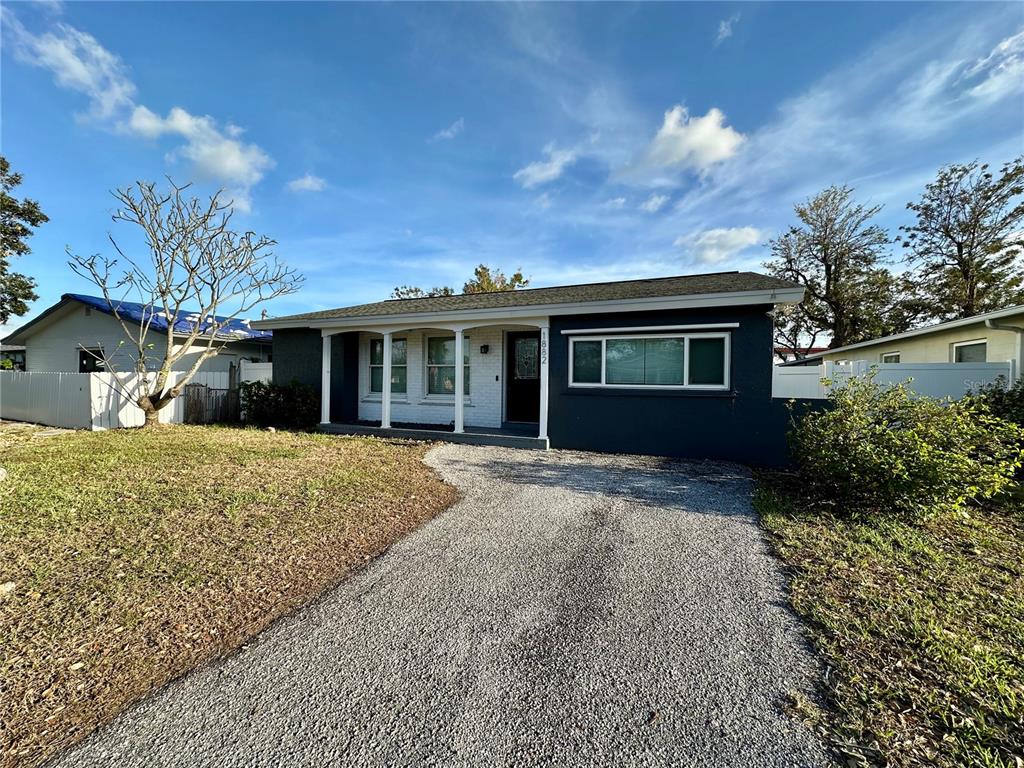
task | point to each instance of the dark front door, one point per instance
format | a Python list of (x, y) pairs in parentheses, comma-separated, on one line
[(522, 376)]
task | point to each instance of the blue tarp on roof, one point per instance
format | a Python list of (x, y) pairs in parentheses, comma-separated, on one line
[(137, 313)]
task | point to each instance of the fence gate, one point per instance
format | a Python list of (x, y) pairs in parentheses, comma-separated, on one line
[(206, 405)]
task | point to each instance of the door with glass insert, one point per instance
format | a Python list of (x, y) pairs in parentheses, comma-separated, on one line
[(522, 376)]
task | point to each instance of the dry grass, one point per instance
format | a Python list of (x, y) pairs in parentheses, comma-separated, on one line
[(130, 557), (920, 623)]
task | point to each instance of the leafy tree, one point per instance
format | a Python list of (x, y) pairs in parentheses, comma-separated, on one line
[(17, 220), (836, 254), (484, 281), (412, 292), (197, 266), (966, 241)]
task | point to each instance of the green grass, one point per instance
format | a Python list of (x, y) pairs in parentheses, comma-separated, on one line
[(920, 623), (128, 557)]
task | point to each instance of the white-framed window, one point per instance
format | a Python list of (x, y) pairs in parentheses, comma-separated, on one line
[(440, 364), (676, 361), (889, 357), (399, 368), (975, 351)]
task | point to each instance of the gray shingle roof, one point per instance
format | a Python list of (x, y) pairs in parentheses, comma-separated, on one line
[(683, 285)]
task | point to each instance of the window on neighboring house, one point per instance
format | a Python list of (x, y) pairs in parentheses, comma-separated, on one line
[(399, 369), (441, 365), (698, 361), (970, 351), (890, 357), (91, 361)]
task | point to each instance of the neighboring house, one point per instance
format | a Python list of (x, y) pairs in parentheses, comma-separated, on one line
[(74, 333), (677, 366), (992, 337), (13, 353)]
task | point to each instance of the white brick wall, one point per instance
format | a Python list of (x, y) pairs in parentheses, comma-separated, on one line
[(484, 404)]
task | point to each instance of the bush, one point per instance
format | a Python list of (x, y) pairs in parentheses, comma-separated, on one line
[(879, 448), (1002, 402), (291, 406)]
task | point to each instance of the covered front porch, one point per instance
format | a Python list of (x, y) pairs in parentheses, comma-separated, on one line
[(460, 382)]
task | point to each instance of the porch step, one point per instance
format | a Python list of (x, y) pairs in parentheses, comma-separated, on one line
[(468, 438)]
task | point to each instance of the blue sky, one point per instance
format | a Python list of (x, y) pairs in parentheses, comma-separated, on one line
[(406, 143)]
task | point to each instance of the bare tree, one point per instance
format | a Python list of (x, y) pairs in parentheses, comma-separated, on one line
[(197, 266)]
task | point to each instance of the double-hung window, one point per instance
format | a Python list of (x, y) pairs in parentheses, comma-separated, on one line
[(441, 365), (399, 368), (679, 361)]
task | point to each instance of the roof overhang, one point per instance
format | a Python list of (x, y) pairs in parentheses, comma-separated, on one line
[(519, 313), (20, 335), (937, 328)]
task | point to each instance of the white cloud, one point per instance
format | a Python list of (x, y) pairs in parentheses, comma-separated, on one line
[(725, 28), (695, 143), (714, 246), (544, 201), (451, 131), (307, 183), (654, 203), (215, 155), (80, 63), (615, 203), (545, 171)]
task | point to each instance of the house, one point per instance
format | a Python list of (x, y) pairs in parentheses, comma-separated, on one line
[(78, 331), (992, 337), (676, 366)]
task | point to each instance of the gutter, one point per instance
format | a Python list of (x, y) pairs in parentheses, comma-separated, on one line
[(1019, 330)]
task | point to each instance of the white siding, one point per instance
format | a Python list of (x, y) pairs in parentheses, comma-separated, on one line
[(86, 400), (486, 382), (55, 345)]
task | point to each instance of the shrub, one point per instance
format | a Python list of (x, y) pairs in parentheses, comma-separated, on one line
[(879, 448), (1006, 403), (290, 406)]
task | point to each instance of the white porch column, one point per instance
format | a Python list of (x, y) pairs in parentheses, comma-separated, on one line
[(545, 354), (385, 395), (325, 383), (460, 382)]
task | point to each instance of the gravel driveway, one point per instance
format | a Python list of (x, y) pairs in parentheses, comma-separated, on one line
[(572, 609)]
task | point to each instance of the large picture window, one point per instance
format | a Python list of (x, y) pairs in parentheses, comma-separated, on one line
[(441, 365), (399, 368), (687, 361)]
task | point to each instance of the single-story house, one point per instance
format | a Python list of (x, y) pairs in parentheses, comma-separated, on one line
[(991, 337), (78, 331), (676, 366)]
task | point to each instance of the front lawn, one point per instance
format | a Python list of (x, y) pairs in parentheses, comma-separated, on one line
[(129, 557), (920, 624)]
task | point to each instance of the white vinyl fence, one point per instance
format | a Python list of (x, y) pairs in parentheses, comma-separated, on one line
[(928, 379), (86, 400), (248, 371)]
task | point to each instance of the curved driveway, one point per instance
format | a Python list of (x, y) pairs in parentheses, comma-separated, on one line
[(571, 609)]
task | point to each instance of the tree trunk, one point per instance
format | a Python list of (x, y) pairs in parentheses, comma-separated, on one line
[(152, 417)]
